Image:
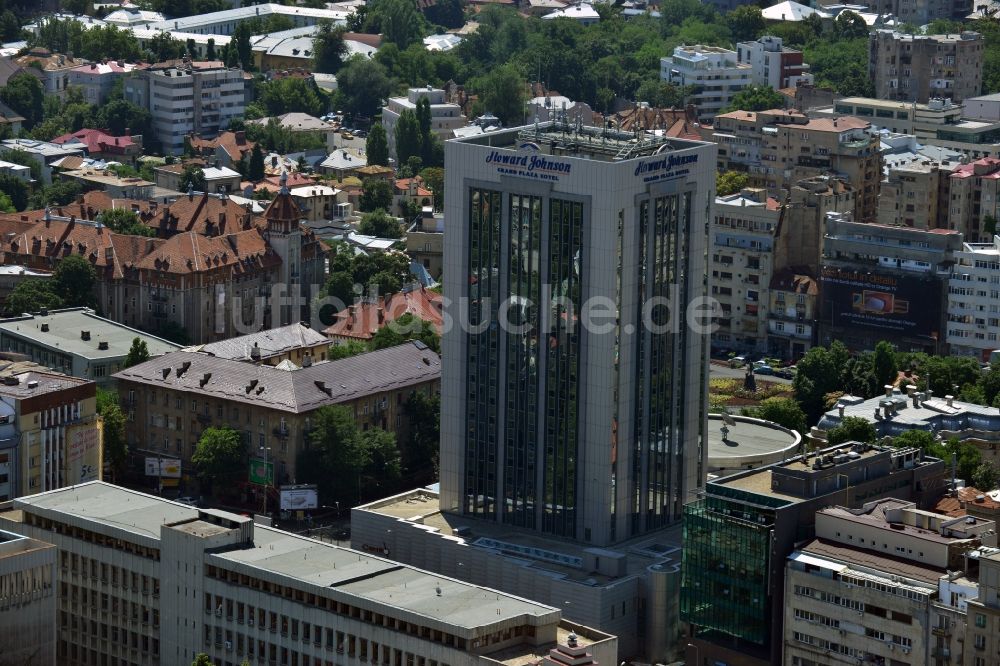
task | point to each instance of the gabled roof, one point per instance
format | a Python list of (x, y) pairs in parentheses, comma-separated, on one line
[(96, 141), (186, 253), (790, 11), (343, 158), (362, 320), (234, 143), (271, 342)]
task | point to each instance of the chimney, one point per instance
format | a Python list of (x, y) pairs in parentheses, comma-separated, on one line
[(888, 390), (204, 379), (45, 328), (307, 360), (910, 390), (102, 345), (255, 352), (950, 399), (840, 411), (85, 335)]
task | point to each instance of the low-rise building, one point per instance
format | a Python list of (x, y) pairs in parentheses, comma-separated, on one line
[(917, 68), (221, 179), (716, 74), (228, 147), (223, 23), (251, 592), (16, 170), (76, 341), (792, 311), (272, 346), (343, 163), (54, 69), (974, 300), (921, 120), (738, 536), (43, 152), (303, 123), (172, 398), (425, 241), (773, 64), (445, 116), (117, 187), (97, 79), (583, 13), (50, 433), (100, 145), (28, 592), (317, 202), (12, 276)]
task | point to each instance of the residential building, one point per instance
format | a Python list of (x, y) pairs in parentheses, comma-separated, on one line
[(304, 124), (12, 276), (583, 13), (317, 202), (792, 311), (410, 194), (225, 22), (239, 581), (425, 241), (172, 398), (116, 187), (75, 341), (921, 120), (360, 321), (788, 10), (27, 600), (53, 69), (982, 637), (799, 240), (133, 17), (738, 536), (921, 12), (445, 116), (885, 283), (866, 588), (779, 148), (972, 193), (17, 170), (97, 79), (220, 179), (10, 118), (100, 145), (343, 163), (187, 97), (228, 147), (742, 263), (50, 433), (773, 64), (917, 68), (716, 74), (910, 195), (974, 300), (271, 346), (43, 152), (895, 412)]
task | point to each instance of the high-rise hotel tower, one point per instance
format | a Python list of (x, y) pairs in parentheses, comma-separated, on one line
[(574, 386)]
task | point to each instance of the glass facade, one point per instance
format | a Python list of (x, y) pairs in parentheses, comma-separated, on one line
[(724, 568)]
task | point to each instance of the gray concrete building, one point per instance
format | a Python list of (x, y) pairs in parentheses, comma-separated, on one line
[(76, 341), (27, 601), (917, 68), (143, 580)]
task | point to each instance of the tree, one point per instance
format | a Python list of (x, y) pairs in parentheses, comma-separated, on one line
[(125, 221), (376, 194), (363, 84), (884, 361), (446, 13), (58, 193), (757, 98), (849, 25), (202, 659), (220, 453), (24, 93), (329, 49), (340, 285), (403, 329), (113, 430), (502, 92), (661, 94), (783, 411), (335, 457), (118, 115), (256, 170), (377, 146), (730, 182), (210, 50), (240, 43), (745, 23), (985, 476), (398, 20), (10, 27), (347, 349), (383, 463), (137, 353), (31, 296), (423, 415), (379, 224), (920, 439), (73, 280), (434, 181), (163, 46), (408, 140), (6, 203), (291, 95), (192, 177), (819, 373), (852, 429), (16, 189)]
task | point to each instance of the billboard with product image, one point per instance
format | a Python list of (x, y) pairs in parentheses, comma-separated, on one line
[(903, 304), (299, 498)]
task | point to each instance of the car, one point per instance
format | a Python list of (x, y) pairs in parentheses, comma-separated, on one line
[(346, 135), (737, 361), (785, 373), (763, 369), (190, 501), (361, 134)]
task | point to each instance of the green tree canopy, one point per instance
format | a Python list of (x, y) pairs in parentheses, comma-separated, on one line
[(137, 353), (819, 373), (852, 429), (363, 84), (783, 411), (377, 194), (730, 182), (125, 221), (406, 328), (291, 95), (377, 146), (503, 92), (985, 476), (408, 140), (193, 177), (379, 223), (329, 49), (16, 189), (219, 454), (757, 98), (884, 362), (256, 169), (73, 280), (398, 20), (31, 296), (24, 93), (113, 431)]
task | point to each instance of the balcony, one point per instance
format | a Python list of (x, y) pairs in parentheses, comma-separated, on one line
[(941, 631)]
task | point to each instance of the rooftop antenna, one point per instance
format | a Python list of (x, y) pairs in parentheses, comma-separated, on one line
[(536, 127)]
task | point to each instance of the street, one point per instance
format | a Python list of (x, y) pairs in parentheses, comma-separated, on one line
[(725, 372)]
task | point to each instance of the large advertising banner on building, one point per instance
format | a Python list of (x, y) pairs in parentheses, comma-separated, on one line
[(910, 306), (168, 468), (83, 452)]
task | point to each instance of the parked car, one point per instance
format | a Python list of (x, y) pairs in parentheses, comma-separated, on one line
[(361, 134), (785, 373), (763, 369), (737, 361)]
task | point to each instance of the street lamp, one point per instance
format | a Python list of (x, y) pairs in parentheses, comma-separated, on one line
[(697, 651), (267, 476)]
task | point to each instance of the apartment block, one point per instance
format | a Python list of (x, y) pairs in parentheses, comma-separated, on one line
[(867, 587), (50, 434), (97, 79), (171, 399), (921, 12), (982, 637), (920, 120), (910, 195), (425, 241), (917, 68), (716, 74), (742, 244), (445, 116), (779, 147), (27, 600), (142, 580), (773, 64), (792, 310), (739, 535), (974, 300), (187, 97), (972, 195), (293, 343), (885, 283), (53, 69)]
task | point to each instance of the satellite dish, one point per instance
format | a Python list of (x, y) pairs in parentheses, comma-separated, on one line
[(728, 419)]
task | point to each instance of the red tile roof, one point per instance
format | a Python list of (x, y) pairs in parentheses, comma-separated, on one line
[(234, 143), (362, 320), (98, 141)]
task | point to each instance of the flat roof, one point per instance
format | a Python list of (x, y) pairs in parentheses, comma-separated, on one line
[(749, 438), (65, 328)]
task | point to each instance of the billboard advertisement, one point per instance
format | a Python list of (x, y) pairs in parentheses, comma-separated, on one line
[(298, 498), (168, 468), (900, 304), (83, 452)]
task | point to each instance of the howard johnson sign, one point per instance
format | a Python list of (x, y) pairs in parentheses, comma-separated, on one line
[(664, 167), (528, 165)]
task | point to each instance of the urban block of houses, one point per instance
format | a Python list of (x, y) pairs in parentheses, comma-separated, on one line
[(362, 320)]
